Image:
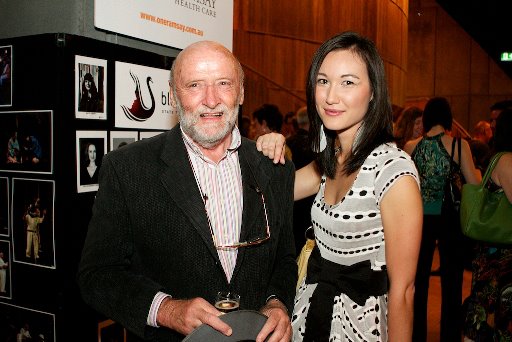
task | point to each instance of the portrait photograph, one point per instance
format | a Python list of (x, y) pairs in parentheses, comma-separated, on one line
[(4, 206), (122, 138), (32, 222), (27, 136), (149, 134), (110, 331), (90, 88), (19, 323), (5, 76), (90, 148), (5, 269)]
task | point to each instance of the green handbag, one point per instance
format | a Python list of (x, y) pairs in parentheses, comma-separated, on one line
[(486, 215)]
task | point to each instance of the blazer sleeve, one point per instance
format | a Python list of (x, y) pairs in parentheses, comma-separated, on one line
[(284, 277), (104, 277)]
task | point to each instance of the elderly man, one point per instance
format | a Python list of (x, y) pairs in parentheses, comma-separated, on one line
[(192, 212)]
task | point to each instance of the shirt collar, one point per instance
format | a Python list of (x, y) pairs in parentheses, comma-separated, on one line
[(236, 141)]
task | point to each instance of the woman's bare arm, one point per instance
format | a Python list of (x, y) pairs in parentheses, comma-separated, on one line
[(402, 218), (502, 175), (471, 173)]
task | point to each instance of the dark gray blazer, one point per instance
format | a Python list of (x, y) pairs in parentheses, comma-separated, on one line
[(149, 232)]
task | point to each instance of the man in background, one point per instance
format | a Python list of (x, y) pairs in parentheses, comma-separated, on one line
[(479, 145), (302, 155)]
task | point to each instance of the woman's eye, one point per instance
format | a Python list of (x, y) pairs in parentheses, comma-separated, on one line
[(321, 81), (347, 83)]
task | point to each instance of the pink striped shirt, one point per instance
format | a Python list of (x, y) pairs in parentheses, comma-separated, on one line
[(222, 184)]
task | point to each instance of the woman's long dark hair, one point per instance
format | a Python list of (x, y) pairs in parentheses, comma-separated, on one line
[(94, 89), (502, 140), (377, 127)]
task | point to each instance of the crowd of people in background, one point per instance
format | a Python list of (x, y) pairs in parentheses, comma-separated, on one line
[(486, 314)]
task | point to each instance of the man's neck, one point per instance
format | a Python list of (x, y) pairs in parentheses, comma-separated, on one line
[(217, 152)]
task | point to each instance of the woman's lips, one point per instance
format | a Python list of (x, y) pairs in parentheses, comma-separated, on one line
[(332, 112)]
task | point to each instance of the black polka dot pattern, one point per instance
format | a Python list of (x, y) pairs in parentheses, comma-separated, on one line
[(352, 231)]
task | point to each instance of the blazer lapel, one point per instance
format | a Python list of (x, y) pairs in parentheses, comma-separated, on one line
[(178, 179), (250, 160)]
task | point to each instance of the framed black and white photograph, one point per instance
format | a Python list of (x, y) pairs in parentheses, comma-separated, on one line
[(149, 134), (4, 206), (122, 138), (5, 76), (110, 331), (5, 269), (19, 323), (32, 221), (90, 88), (90, 148), (27, 136)]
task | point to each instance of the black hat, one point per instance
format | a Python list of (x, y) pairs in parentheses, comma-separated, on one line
[(246, 325)]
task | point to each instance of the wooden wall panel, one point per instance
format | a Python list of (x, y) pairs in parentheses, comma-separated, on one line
[(421, 52), (275, 41), (425, 53), (452, 57), (500, 86), (445, 61), (479, 60)]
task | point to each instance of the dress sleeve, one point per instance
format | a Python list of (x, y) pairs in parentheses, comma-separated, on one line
[(394, 165)]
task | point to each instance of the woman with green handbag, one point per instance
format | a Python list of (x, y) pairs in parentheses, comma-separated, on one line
[(488, 309)]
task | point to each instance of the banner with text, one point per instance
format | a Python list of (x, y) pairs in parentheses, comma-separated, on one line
[(175, 23), (142, 98)]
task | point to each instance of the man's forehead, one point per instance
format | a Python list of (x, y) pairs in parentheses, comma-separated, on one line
[(218, 67)]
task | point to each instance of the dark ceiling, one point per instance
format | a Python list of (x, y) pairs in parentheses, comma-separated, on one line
[(488, 22)]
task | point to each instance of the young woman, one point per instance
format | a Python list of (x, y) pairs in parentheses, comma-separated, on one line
[(488, 315), (89, 97), (89, 172), (367, 213), (432, 155)]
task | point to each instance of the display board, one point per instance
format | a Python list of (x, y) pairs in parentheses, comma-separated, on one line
[(175, 23), (57, 121)]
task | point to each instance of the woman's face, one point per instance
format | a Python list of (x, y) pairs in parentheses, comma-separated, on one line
[(417, 130), (91, 152), (343, 91), (87, 84)]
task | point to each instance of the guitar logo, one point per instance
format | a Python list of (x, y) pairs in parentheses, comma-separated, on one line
[(139, 111)]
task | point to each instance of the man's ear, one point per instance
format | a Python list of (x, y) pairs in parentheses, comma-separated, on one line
[(172, 100), (241, 97)]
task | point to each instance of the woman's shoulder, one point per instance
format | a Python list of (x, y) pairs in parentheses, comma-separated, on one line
[(389, 156), (389, 150), (504, 164)]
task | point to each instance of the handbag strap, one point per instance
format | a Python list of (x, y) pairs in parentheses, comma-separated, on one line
[(491, 166), (452, 157)]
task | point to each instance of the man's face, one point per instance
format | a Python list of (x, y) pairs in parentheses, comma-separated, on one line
[(208, 94)]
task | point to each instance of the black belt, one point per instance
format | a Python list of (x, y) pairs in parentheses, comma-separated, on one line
[(357, 281), (32, 231)]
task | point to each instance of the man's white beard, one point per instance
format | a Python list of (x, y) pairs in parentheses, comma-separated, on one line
[(201, 136)]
